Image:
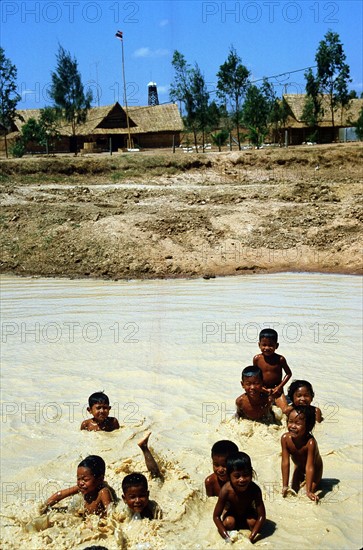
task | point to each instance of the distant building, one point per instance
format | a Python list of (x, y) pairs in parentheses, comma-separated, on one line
[(298, 131), (150, 126)]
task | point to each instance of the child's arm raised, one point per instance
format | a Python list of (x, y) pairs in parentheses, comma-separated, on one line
[(218, 511), (285, 465)]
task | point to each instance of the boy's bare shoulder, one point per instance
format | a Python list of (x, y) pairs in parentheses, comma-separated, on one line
[(256, 358), (87, 424)]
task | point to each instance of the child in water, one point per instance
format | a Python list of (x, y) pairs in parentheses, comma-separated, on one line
[(240, 503), (221, 450), (255, 403), (99, 407), (97, 494), (272, 365), (136, 491), (301, 392), (303, 449)]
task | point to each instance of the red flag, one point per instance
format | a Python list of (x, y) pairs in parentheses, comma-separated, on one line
[(119, 35)]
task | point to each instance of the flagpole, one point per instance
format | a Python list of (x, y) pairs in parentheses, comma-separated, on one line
[(119, 35)]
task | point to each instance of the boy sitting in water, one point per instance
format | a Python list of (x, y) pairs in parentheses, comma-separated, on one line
[(99, 407), (97, 494), (256, 403), (240, 503), (272, 365), (136, 491), (221, 450)]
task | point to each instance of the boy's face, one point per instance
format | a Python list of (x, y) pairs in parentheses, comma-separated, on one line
[(240, 480), (86, 481), (220, 467), (252, 385), (267, 346), (136, 498), (296, 424), (302, 396), (99, 411)]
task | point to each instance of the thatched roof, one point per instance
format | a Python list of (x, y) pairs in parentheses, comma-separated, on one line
[(342, 117), (111, 119)]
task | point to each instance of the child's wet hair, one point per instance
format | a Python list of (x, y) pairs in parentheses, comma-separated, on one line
[(224, 447), (269, 333), (239, 461), (309, 414), (134, 480), (296, 384), (98, 397), (94, 463), (251, 371)]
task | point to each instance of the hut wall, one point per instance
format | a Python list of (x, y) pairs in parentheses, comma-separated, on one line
[(159, 139)]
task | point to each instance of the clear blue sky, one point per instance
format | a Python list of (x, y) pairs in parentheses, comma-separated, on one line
[(270, 36)]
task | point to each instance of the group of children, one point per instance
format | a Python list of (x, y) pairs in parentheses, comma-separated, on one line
[(240, 503)]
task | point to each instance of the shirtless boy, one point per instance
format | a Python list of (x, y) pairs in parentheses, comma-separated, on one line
[(256, 403), (301, 446), (97, 494), (272, 365), (99, 407), (240, 503), (220, 452)]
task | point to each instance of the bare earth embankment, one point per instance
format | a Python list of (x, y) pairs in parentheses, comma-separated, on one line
[(153, 215)]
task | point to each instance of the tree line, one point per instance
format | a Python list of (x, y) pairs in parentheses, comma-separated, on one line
[(238, 104)]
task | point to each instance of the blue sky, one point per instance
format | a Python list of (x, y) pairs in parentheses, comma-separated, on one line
[(270, 36)]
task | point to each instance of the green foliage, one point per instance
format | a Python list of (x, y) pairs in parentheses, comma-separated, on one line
[(220, 138), (259, 110), (233, 80), (67, 90), (43, 131), (9, 96), (332, 76), (189, 87), (18, 149)]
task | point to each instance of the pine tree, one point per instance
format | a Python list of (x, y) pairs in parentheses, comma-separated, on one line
[(9, 96), (67, 92)]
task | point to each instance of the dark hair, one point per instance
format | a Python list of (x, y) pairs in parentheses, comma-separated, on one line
[(251, 371), (96, 548), (224, 448), (309, 414), (239, 461), (98, 397), (94, 463), (296, 384), (269, 333), (133, 480)]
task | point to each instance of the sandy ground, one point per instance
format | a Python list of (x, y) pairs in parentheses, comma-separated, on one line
[(295, 209)]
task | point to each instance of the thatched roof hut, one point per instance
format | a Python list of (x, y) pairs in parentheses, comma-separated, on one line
[(151, 126), (299, 130)]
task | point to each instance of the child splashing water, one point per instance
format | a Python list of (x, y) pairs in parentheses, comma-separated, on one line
[(97, 494), (303, 449)]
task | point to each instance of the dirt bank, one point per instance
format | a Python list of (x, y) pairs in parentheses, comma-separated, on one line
[(162, 215)]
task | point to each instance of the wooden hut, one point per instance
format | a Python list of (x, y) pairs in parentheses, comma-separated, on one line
[(299, 131), (106, 127)]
